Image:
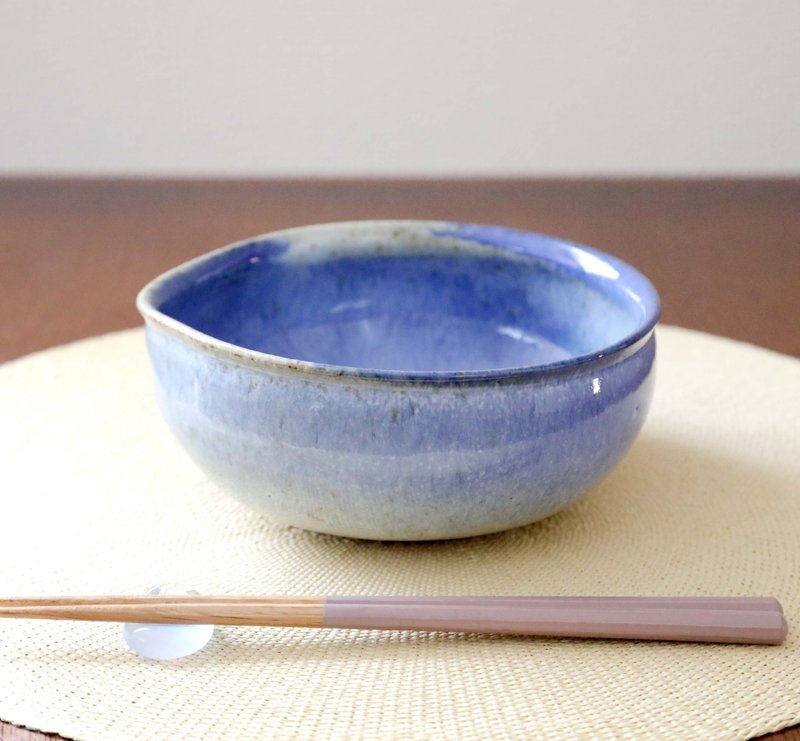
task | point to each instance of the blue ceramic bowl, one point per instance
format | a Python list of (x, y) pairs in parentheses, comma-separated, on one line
[(403, 380)]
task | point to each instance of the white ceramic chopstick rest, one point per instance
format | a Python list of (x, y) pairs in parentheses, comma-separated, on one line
[(163, 642)]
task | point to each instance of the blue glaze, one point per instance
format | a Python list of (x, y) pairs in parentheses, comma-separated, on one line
[(403, 380)]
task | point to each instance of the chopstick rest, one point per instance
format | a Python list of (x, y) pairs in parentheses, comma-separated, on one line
[(159, 641)]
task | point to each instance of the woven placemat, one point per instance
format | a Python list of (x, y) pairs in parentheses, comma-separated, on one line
[(98, 498)]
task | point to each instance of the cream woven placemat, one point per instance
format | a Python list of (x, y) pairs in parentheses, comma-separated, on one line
[(97, 498)]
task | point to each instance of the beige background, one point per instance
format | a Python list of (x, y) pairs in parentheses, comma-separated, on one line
[(447, 87)]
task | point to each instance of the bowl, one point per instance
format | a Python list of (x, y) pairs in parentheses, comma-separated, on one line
[(403, 380)]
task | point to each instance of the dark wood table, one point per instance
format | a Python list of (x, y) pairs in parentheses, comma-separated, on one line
[(724, 254)]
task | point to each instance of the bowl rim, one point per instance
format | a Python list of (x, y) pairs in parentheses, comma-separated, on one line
[(500, 238)]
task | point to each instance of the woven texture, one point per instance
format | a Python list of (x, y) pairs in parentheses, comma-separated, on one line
[(98, 498)]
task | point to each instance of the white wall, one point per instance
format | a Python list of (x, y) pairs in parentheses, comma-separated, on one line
[(406, 87)]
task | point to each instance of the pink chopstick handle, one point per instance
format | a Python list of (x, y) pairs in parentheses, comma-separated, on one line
[(708, 619)]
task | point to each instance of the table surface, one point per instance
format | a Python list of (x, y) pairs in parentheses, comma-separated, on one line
[(724, 254)]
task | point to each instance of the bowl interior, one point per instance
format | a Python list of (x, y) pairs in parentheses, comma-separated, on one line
[(409, 307)]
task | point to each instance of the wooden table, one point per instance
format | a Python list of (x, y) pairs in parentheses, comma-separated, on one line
[(724, 254)]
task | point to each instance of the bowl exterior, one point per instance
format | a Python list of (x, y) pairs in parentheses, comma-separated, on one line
[(401, 460)]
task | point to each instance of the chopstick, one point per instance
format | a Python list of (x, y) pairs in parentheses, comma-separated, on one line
[(757, 620)]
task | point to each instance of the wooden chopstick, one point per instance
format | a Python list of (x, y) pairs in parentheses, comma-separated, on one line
[(708, 619)]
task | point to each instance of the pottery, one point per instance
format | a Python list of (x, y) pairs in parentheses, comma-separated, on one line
[(403, 380)]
